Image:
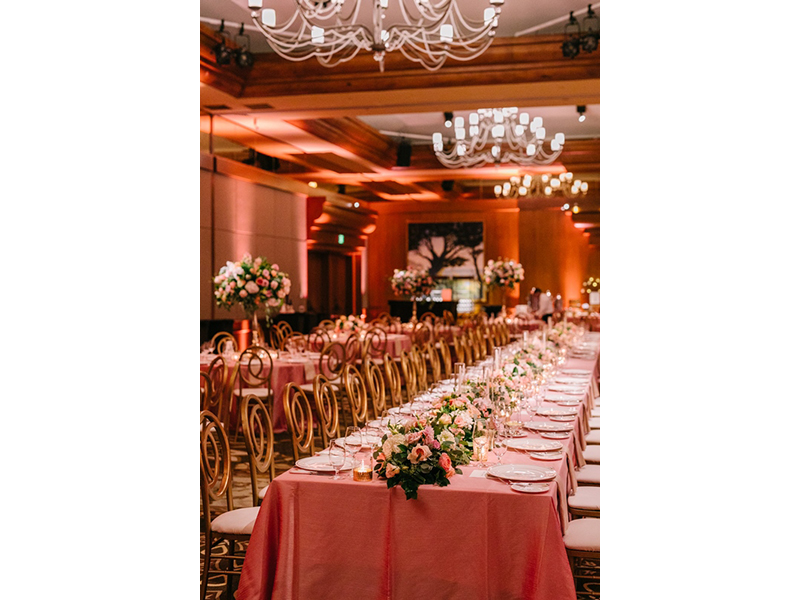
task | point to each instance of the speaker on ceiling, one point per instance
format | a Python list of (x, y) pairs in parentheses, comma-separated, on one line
[(404, 154), (447, 185)]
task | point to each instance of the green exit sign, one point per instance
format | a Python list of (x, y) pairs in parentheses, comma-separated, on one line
[(341, 238)]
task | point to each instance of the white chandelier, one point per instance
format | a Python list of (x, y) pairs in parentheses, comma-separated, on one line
[(328, 30), (500, 136), (541, 185)]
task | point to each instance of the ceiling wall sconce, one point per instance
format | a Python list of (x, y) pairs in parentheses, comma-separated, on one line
[(499, 136), (542, 186), (429, 34), (577, 38), (244, 58), (222, 53), (581, 113)]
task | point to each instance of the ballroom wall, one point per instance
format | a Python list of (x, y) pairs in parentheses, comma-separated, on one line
[(248, 217), (554, 254)]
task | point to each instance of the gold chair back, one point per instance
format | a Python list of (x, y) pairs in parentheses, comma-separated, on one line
[(433, 361), (217, 374), (276, 337), (259, 440), (458, 348), (375, 341), (418, 358), (448, 318), (466, 346), (219, 339), (332, 361), (285, 328), (394, 382), (447, 359), (356, 395), (327, 324), (327, 409), (299, 420), (353, 349), (216, 473), (409, 369), (255, 371), (377, 390), (318, 339)]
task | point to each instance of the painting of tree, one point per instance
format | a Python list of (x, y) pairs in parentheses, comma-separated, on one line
[(447, 249)]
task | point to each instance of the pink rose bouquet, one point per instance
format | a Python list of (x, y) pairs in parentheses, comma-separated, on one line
[(411, 282), (253, 283), (503, 273), (420, 451)]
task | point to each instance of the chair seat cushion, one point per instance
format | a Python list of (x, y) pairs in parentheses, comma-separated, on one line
[(260, 392), (585, 498), (307, 387), (236, 522), (263, 492), (589, 474), (593, 437), (594, 423), (592, 454), (596, 412), (583, 534)]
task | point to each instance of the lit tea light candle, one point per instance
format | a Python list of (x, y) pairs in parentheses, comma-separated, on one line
[(362, 472)]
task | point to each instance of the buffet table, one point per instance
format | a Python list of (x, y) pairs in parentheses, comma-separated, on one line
[(317, 538)]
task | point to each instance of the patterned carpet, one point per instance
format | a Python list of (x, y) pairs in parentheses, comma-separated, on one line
[(588, 587)]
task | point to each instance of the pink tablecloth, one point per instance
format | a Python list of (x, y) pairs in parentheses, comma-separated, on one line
[(316, 538)]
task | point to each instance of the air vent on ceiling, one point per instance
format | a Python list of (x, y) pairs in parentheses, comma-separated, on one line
[(262, 106), (217, 107)]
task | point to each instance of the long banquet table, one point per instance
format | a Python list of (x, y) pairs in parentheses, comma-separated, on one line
[(316, 538)]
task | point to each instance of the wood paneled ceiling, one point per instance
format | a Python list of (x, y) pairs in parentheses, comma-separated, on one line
[(308, 117)]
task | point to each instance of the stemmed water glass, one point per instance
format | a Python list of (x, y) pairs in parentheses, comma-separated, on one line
[(336, 456), (353, 440), (501, 433)]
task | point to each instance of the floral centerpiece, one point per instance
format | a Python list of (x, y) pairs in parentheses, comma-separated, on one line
[(253, 283), (503, 273), (411, 282), (348, 324), (421, 451)]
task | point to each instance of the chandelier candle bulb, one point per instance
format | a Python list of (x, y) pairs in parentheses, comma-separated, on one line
[(255, 4), (268, 17)]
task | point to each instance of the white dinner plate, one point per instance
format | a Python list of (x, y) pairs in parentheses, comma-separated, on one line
[(573, 381), (577, 372), (554, 435), (321, 464), (557, 411), (521, 473), (564, 418), (567, 402), (567, 388), (546, 455), (532, 445), (547, 426), (531, 487), (558, 397)]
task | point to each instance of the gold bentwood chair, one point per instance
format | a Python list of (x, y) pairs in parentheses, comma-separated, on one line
[(377, 390), (394, 382), (219, 339), (409, 369), (215, 388), (356, 395), (299, 420), (331, 365), (582, 500), (418, 359), (353, 349), (433, 360), (260, 442), (275, 337), (447, 359), (296, 340), (234, 525), (375, 343), (327, 409), (582, 540), (284, 328), (458, 350), (318, 338), (255, 375)]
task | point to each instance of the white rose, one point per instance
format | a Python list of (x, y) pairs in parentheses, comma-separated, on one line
[(252, 287), (391, 444)]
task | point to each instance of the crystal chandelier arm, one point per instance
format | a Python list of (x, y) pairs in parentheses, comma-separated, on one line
[(325, 10)]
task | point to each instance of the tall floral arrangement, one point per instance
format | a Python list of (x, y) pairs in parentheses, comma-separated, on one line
[(421, 451), (411, 282), (349, 323), (253, 283), (503, 273)]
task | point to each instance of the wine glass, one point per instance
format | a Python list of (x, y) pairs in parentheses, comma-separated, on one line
[(353, 440), (501, 433), (336, 456), (480, 441)]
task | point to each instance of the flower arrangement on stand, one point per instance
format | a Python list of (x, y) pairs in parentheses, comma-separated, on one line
[(421, 451), (413, 283), (503, 273), (253, 283)]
